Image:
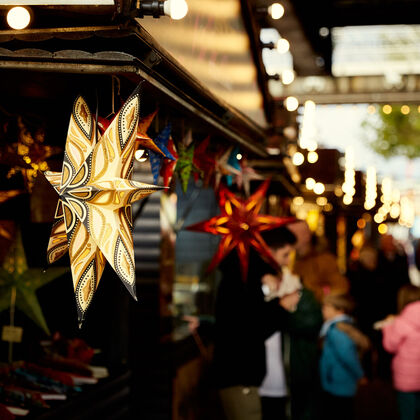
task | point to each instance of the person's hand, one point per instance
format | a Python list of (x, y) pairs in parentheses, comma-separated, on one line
[(271, 281), (380, 324), (290, 301)]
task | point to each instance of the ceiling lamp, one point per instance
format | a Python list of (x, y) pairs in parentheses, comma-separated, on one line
[(18, 17), (276, 11), (175, 9)]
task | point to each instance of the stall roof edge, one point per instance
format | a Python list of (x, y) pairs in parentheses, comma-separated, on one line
[(100, 50)]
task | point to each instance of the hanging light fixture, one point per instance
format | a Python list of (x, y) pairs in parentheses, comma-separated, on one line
[(18, 17), (175, 9)]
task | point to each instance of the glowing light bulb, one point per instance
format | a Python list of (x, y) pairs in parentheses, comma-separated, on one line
[(312, 157), (382, 228), (321, 201), (298, 201), (239, 156), (319, 188), (176, 9), (140, 155), (291, 103), (18, 17), (287, 76), (282, 46), (298, 159), (387, 109), (310, 183), (347, 199), (276, 11)]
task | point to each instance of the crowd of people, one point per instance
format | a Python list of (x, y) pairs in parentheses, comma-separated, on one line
[(299, 343)]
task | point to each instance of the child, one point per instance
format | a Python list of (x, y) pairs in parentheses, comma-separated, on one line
[(401, 336), (340, 367)]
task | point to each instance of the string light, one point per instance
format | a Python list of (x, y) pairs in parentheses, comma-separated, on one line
[(405, 109), (308, 128), (239, 156), (370, 198), (382, 228), (287, 76), (349, 183), (387, 109), (298, 159), (407, 215), (282, 46), (312, 157), (276, 11), (371, 109), (310, 183), (319, 188), (18, 17), (321, 201), (298, 201), (291, 103)]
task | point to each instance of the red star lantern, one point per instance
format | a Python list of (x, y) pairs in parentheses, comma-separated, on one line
[(240, 226), (205, 161)]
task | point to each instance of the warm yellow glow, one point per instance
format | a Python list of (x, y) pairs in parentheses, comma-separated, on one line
[(276, 11), (139, 155), (358, 239), (382, 228), (371, 109), (238, 156), (312, 219), (287, 76), (312, 157), (405, 109), (387, 109), (18, 17), (418, 108), (298, 159), (298, 201), (176, 9), (328, 207), (226, 9), (361, 223), (338, 191), (282, 46), (395, 210), (319, 188), (321, 201), (291, 103), (310, 183), (378, 218), (347, 199)]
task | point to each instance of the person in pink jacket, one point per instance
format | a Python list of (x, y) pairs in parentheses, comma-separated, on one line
[(401, 336)]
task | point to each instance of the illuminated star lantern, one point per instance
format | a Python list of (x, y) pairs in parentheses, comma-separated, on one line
[(185, 165), (93, 217), (15, 275), (240, 226), (204, 161), (168, 165), (156, 159), (244, 178), (28, 156)]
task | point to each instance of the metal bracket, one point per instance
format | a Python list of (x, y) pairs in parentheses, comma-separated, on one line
[(152, 59)]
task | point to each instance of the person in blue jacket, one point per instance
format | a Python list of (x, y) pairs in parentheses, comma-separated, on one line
[(340, 367)]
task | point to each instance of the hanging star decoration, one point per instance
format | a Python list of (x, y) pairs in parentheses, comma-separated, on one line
[(15, 274), (168, 165), (143, 141), (240, 226), (28, 155), (93, 218), (245, 176), (156, 159), (184, 165), (205, 161), (223, 167)]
